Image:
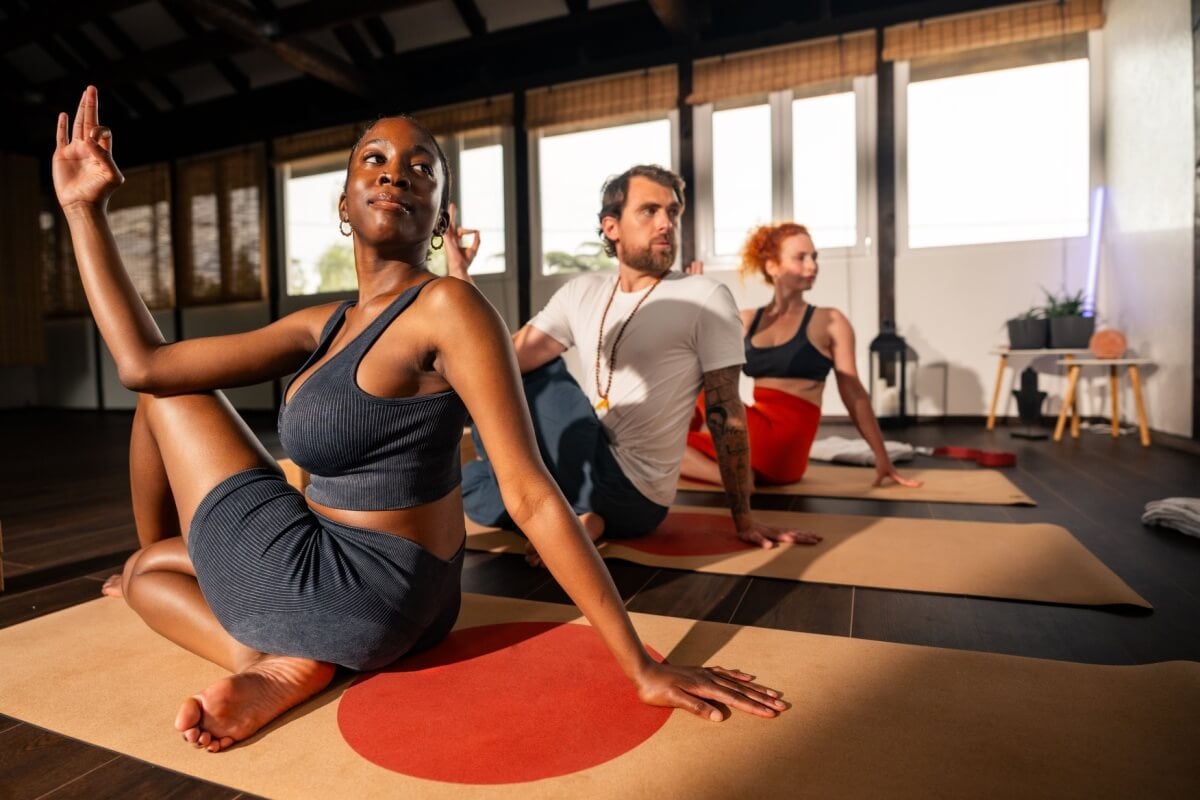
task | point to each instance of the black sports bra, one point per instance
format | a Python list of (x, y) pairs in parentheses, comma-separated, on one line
[(797, 358)]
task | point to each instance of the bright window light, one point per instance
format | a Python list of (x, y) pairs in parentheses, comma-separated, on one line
[(999, 156), (741, 170), (481, 187), (319, 259), (824, 168), (572, 170)]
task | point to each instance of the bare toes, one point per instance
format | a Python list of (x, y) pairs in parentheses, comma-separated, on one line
[(112, 587)]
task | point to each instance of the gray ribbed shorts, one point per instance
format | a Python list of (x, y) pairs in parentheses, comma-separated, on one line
[(285, 580)]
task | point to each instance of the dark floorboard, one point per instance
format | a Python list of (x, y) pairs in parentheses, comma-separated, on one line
[(64, 507), (35, 762), (694, 595), (790, 606)]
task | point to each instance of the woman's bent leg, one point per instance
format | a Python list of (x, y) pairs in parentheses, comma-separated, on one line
[(154, 512), (181, 448), (160, 585), (188, 444)]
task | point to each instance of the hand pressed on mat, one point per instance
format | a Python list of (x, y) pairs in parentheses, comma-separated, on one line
[(690, 688), (886, 474), (767, 536)]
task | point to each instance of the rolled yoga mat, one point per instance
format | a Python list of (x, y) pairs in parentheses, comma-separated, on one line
[(1039, 562), (508, 708), (975, 486)]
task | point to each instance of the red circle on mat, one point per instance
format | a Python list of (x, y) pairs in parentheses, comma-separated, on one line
[(507, 703), (689, 534)]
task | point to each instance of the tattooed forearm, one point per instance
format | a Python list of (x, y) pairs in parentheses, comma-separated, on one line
[(726, 419)]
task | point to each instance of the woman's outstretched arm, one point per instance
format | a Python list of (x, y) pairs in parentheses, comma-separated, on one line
[(857, 401), (85, 176), (475, 355)]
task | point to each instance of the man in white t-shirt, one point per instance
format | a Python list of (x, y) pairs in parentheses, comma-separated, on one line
[(649, 339)]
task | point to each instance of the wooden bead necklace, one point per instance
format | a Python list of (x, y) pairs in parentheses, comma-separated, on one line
[(612, 359)]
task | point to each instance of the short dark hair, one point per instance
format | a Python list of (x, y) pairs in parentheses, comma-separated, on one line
[(444, 208), (616, 192)]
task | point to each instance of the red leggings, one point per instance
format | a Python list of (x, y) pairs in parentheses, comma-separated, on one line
[(781, 427)]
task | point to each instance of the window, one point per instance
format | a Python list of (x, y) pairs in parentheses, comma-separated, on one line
[(477, 164), (481, 203), (223, 223), (741, 174), (795, 157), (999, 155), (62, 289), (825, 168), (572, 169), (140, 216), (319, 258)]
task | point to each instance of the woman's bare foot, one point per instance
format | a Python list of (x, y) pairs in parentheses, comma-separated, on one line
[(592, 523), (236, 707), (112, 587)]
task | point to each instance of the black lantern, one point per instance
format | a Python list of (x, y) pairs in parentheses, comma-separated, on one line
[(892, 378)]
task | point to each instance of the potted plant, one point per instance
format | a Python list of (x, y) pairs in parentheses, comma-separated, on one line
[(1069, 329), (1028, 330)]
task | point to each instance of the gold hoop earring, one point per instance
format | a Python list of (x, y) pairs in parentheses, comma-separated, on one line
[(344, 231), (436, 242)]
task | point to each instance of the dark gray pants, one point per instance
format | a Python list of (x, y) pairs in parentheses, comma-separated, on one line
[(575, 448)]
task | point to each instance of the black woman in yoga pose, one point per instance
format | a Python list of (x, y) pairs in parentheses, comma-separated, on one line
[(279, 587)]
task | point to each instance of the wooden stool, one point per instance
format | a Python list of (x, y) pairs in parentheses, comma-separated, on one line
[(1131, 364), (1004, 353)]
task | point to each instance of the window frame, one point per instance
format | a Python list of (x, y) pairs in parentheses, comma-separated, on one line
[(184, 224), (307, 166), (452, 145), (780, 102), (968, 63), (539, 277)]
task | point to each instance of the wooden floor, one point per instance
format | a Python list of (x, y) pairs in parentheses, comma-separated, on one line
[(67, 525)]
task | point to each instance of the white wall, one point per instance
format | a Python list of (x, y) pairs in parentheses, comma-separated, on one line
[(1147, 287)]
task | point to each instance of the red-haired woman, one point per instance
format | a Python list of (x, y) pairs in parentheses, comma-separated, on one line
[(791, 347)]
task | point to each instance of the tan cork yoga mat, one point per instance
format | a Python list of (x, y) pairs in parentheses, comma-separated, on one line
[(869, 719), (977, 486), (1038, 562)]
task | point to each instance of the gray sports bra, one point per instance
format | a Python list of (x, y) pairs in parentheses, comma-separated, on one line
[(368, 453)]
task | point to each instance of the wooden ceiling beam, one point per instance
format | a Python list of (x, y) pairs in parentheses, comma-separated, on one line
[(318, 15), (471, 17), (354, 45), (238, 21), (94, 59), (378, 30), (233, 76), (127, 47)]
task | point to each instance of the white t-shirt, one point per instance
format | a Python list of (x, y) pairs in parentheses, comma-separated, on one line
[(689, 325)]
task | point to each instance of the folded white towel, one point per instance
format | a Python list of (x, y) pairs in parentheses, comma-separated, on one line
[(1180, 513), (856, 451)]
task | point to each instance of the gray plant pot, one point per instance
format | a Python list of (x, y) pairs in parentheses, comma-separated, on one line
[(1071, 333), (1027, 334)]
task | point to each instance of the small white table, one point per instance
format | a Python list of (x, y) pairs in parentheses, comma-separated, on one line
[(1004, 352), (1131, 364)]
